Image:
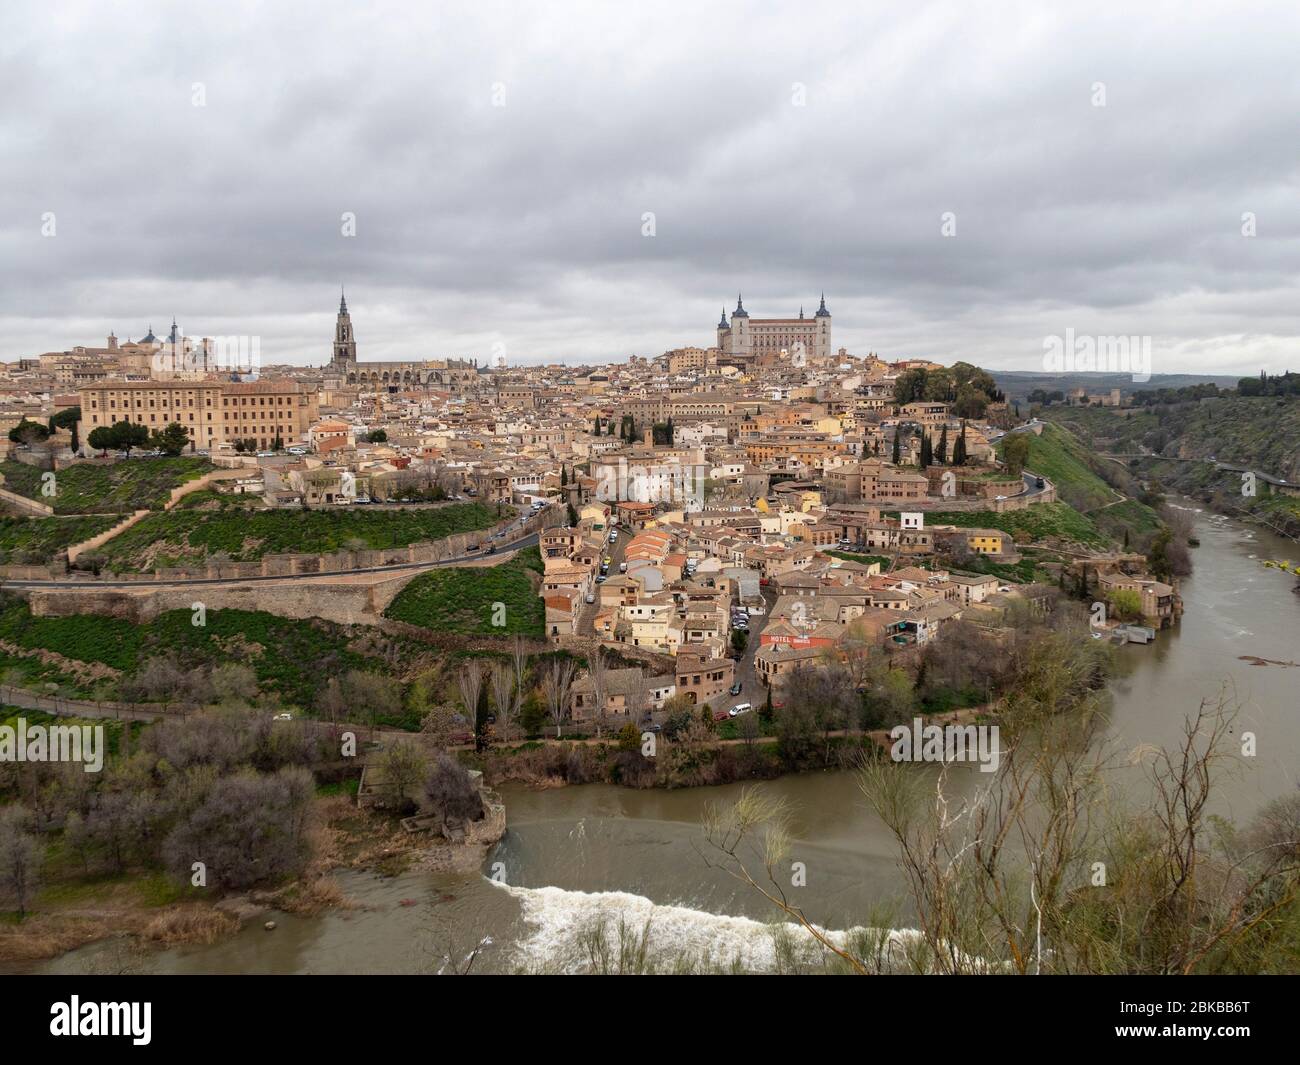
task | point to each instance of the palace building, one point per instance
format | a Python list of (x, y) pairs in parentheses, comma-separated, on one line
[(752, 337)]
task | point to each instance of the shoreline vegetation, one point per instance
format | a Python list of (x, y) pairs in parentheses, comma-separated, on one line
[(198, 784), (272, 810)]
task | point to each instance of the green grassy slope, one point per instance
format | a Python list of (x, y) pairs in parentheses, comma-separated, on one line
[(462, 600), (1077, 471), (37, 540), (132, 484), (290, 657), (190, 535)]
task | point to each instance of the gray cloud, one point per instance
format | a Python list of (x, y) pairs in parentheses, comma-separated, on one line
[(522, 223)]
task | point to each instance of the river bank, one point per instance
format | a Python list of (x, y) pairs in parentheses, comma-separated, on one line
[(575, 854)]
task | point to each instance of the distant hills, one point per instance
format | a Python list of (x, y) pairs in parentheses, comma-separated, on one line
[(1017, 384)]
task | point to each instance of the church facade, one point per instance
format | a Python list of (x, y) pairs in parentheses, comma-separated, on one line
[(456, 375)]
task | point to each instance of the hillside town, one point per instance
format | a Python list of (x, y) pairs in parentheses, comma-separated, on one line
[(721, 518)]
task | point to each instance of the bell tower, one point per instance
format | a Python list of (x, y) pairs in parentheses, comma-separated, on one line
[(345, 342)]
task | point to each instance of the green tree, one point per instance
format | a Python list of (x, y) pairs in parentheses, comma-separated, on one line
[(1015, 453), (1158, 555), (101, 438), (1125, 604), (739, 641), (959, 448), (29, 432), (171, 440)]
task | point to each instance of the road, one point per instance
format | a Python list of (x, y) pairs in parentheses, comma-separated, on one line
[(752, 689), (1031, 485), (615, 551)]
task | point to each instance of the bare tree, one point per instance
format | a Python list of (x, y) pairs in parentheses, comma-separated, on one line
[(638, 696), (519, 662), (598, 671), (501, 681), (469, 682), (331, 701), (20, 858), (452, 796), (439, 725), (556, 682)]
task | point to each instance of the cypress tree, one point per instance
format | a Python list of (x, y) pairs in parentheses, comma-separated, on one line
[(942, 456), (896, 447), (959, 449)]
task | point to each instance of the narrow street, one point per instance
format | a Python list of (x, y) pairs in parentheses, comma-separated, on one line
[(615, 551)]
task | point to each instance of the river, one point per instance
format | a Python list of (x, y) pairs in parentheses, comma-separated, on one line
[(576, 853)]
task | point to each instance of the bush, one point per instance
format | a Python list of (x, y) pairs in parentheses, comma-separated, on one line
[(250, 829)]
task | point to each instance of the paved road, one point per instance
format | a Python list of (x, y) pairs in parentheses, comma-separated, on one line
[(615, 551), (752, 689)]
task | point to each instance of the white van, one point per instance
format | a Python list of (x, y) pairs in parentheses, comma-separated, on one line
[(740, 708)]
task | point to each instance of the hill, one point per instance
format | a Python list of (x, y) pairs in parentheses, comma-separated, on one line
[(192, 535), (89, 655), (1096, 487), (132, 484), (464, 600), (35, 541), (1178, 445), (1017, 384)]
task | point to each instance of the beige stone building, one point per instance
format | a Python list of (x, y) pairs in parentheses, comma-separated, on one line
[(747, 337), (214, 412)]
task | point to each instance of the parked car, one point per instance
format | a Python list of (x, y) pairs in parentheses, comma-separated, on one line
[(740, 708), (362, 499), (735, 688), (591, 598), (622, 567)]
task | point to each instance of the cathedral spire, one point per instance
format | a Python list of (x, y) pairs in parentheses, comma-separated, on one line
[(343, 301)]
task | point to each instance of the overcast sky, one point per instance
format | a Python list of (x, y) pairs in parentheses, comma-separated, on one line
[(784, 149)]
